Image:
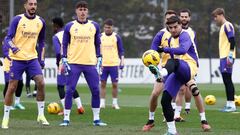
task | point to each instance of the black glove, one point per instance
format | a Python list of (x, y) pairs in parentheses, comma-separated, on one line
[(160, 49)]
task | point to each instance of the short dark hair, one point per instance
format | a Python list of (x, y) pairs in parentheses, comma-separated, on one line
[(170, 12), (185, 10), (108, 21), (58, 21), (81, 4), (173, 19), (218, 11)]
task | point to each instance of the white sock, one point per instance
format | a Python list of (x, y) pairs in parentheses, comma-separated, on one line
[(78, 102), (40, 108), (173, 105), (63, 102), (17, 100), (187, 105), (114, 101), (6, 111), (151, 115), (171, 127), (177, 112), (96, 112), (67, 114), (202, 116), (102, 101), (163, 72)]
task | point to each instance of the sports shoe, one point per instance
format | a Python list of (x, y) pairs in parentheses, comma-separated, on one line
[(42, 120), (12, 108), (34, 94), (228, 109), (148, 126), (19, 106), (115, 106), (170, 133), (205, 126), (154, 70), (80, 110), (99, 123), (5, 123), (187, 111), (29, 95), (179, 119), (65, 123)]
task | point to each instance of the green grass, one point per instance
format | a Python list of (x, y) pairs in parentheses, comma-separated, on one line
[(128, 120)]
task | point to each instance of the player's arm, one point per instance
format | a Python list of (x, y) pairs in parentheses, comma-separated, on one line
[(41, 45), (157, 41), (11, 34), (120, 51), (97, 41), (66, 39), (185, 43), (229, 30), (57, 46), (5, 50)]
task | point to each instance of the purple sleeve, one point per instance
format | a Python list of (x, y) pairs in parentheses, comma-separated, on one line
[(57, 45), (120, 46), (229, 32), (97, 39), (184, 44), (41, 39), (157, 40), (5, 48), (12, 29), (66, 39)]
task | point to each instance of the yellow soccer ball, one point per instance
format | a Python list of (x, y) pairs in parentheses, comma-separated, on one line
[(210, 100), (53, 108), (237, 101), (151, 57)]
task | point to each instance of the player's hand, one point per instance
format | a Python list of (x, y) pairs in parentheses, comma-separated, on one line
[(15, 50), (99, 65), (66, 66), (121, 66), (42, 64), (160, 49), (230, 59)]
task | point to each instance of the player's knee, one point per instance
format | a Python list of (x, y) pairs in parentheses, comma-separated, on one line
[(194, 89), (166, 99), (95, 92), (156, 93)]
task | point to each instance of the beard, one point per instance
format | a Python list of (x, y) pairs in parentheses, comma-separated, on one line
[(32, 12)]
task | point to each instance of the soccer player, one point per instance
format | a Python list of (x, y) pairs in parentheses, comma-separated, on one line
[(58, 25), (160, 40), (112, 50), (25, 32), (28, 87), (191, 86), (180, 69), (81, 54), (6, 69), (227, 54)]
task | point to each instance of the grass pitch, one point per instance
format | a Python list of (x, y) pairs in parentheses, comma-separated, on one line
[(133, 100)]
